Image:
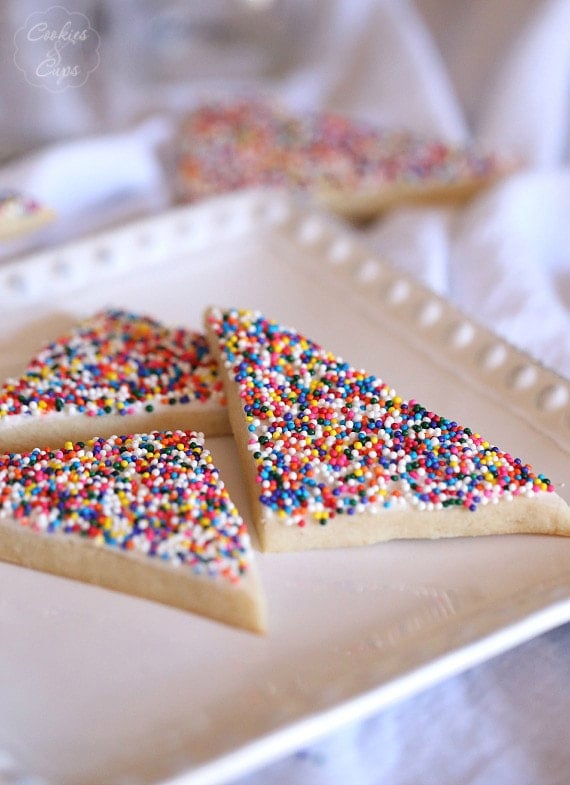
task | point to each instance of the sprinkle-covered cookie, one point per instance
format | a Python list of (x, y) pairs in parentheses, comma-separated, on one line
[(336, 457), (115, 372), (145, 514), (351, 166), (21, 215)]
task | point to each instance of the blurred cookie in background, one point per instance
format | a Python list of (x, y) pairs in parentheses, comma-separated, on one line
[(21, 215), (353, 167)]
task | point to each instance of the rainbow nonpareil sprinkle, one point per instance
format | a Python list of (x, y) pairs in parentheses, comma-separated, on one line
[(116, 362), (155, 494), (328, 439)]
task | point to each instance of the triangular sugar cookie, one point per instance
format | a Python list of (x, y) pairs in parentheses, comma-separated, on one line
[(145, 514), (334, 457), (113, 373), (353, 167), (21, 215)]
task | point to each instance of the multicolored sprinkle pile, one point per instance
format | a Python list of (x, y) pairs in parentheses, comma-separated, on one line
[(228, 146), (157, 494), (115, 363), (328, 439)]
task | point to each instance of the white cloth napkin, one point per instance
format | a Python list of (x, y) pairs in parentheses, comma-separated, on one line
[(504, 259), (495, 72), (377, 60), (92, 182)]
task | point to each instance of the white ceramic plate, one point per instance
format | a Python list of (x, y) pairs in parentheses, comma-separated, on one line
[(99, 687)]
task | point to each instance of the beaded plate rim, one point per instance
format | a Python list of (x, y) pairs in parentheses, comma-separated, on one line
[(537, 392)]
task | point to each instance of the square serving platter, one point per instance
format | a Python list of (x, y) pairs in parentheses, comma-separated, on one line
[(99, 687)]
